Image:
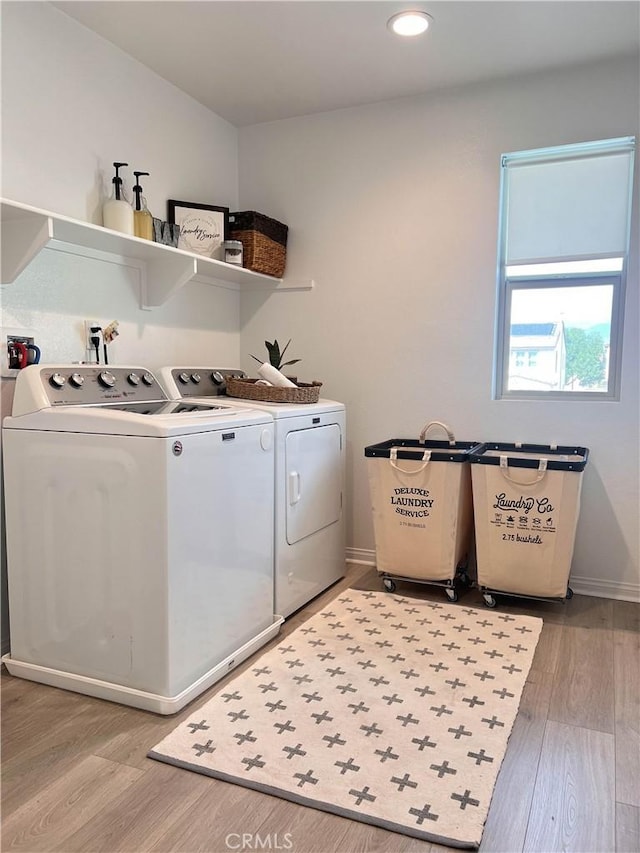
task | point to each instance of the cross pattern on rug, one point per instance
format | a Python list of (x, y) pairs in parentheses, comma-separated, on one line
[(386, 709)]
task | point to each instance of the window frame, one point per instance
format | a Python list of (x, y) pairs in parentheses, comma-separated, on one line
[(506, 282), (509, 284)]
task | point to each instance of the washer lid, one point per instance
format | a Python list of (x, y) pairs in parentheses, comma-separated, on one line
[(163, 407), (159, 420)]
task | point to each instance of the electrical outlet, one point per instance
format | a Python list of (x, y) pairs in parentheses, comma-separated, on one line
[(88, 334), (8, 367), (105, 334), (88, 325)]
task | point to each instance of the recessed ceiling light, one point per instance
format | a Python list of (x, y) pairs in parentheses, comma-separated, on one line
[(409, 23)]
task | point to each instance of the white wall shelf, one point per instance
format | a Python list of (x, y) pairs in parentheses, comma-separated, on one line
[(163, 269)]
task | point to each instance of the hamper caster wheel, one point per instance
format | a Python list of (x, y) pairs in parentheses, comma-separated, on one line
[(569, 593), (489, 599), (389, 584), (452, 595)]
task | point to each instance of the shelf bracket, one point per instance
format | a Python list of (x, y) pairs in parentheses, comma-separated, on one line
[(161, 279), (22, 240)]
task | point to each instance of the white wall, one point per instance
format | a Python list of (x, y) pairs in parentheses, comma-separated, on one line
[(72, 104), (393, 210)]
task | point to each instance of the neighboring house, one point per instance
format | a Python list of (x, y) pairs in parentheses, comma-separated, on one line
[(537, 356)]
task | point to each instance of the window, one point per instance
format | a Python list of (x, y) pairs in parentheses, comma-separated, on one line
[(564, 241)]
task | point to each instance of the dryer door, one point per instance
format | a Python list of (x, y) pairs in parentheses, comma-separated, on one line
[(314, 480)]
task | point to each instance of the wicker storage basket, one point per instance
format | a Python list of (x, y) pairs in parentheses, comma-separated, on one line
[(247, 389), (264, 241)]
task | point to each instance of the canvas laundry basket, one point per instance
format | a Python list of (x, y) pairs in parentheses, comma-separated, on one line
[(422, 507), (526, 505)]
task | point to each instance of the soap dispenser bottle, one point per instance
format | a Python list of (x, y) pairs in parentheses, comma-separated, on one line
[(142, 219), (117, 213)]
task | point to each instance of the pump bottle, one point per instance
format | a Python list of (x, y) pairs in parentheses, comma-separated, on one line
[(142, 219), (117, 213)]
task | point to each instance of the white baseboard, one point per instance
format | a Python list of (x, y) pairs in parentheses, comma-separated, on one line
[(597, 587), (361, 556), (605, 588)]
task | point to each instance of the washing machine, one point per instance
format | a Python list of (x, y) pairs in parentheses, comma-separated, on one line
[(139, 534), (309, 482)]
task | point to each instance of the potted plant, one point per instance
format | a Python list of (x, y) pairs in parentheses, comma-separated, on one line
[(276, 356)]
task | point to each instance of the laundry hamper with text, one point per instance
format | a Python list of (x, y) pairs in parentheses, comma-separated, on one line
[(526, 504), (422, 508)]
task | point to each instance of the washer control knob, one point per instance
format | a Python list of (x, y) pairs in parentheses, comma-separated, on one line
[(77, 380), (57, 380), (183, 377), (148, 378), (133, 379), (106, 379), (217, 377), (195, 378)]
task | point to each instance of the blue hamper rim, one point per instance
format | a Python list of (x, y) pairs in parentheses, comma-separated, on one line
[(477, 455), (441, 450)]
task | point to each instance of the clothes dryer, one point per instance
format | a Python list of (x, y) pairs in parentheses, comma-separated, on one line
[(139, 535), (309, 482)]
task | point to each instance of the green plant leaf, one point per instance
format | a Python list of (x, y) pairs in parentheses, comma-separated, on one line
[(275, 355), (285, 349), (274, 352)]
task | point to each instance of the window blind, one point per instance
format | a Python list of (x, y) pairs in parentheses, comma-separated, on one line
[(568, 202)]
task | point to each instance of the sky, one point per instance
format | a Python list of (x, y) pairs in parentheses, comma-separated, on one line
[(577, 306)]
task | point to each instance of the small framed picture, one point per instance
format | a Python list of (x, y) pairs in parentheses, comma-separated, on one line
[(203, 227)]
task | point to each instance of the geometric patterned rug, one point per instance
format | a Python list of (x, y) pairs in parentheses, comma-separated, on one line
[(381, 708)]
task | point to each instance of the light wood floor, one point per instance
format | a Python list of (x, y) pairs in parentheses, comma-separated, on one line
[(75, 776)]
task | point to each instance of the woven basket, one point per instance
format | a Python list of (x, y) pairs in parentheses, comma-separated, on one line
[(264, 241), (248, 390)]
